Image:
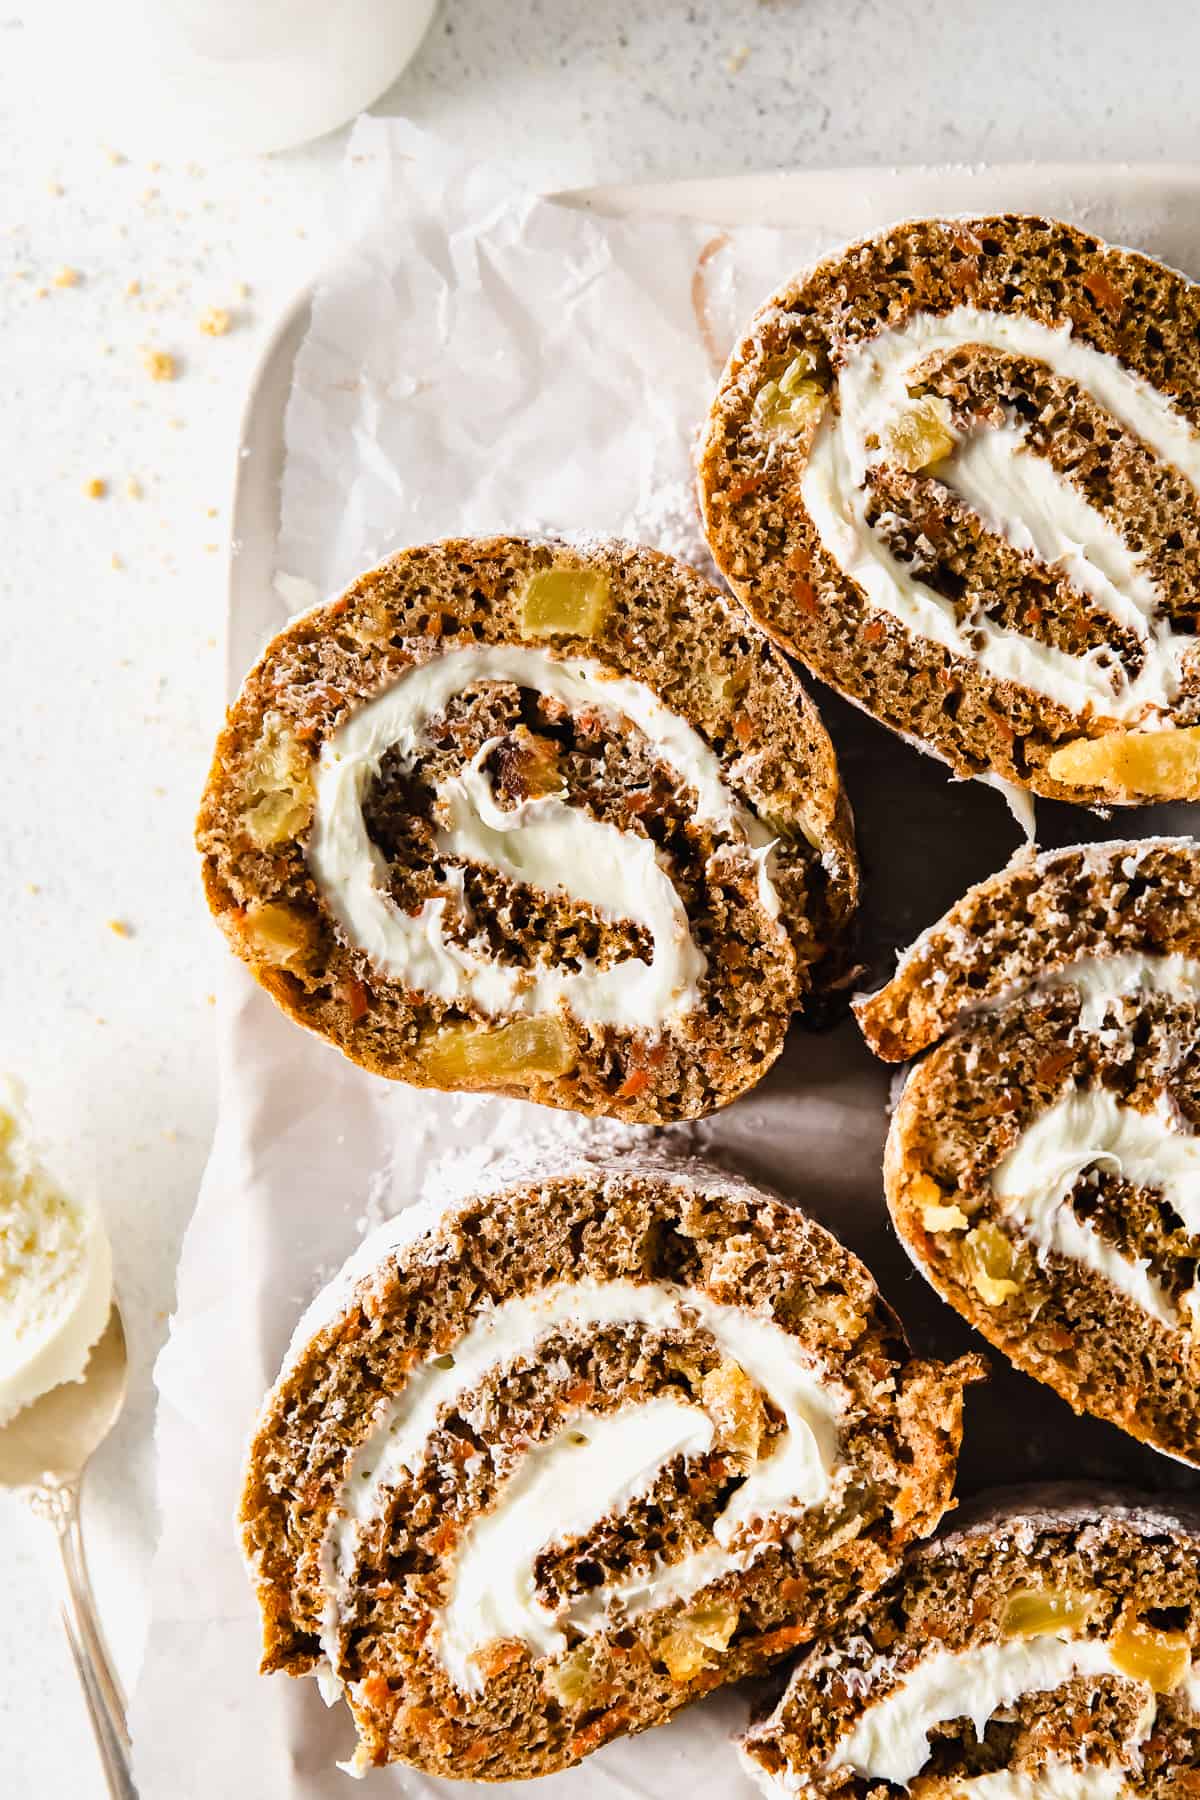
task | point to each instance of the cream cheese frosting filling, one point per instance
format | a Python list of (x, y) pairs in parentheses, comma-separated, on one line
[(795, 1475), (1101, 980), (1018, 495), (594, 1466), (545, 842), (1087, 1129), (890, 1742), (1057, 1780)]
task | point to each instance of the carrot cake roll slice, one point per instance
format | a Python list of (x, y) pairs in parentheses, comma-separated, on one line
[(956, 469), (1043, 1162), (543, 1467), (1047, 1652), (520, 816)]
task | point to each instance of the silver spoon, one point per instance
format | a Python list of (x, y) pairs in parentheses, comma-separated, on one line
[(44, 1451)]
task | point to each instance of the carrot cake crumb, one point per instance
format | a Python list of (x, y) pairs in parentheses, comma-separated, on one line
[(159, 365)]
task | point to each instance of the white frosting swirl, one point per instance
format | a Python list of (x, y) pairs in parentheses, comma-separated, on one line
[(544, 842), (543, 1498), (1019, 496)]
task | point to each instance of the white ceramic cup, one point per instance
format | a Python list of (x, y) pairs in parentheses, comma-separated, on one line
[(224, 77)]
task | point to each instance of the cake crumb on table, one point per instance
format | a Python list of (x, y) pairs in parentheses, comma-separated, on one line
[(67, 278), (215, 321), (95, 488), (120, 928), (159, 365)]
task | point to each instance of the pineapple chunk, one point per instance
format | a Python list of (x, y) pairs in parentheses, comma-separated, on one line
[(924, 1192), (793, 401), (922, 435), (573, 601), (685, 1650), (736, 1405), (1041, 1612), (278, 934), (279, 788), (1157, 765), (991, 1260), (1159, 1658), (944, 1218), (569, 1679), (478, 1055)]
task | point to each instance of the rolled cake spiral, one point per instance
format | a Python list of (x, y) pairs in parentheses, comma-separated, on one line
[(956, 470), (1049, 1651), (540, 1471), (525, 817), (1043, 1161)]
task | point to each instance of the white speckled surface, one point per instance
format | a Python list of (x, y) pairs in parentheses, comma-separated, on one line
[(110, 678)]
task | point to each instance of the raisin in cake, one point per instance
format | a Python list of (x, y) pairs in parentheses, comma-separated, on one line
[(544, 1467), (1043, 1161), (538, 819), (956, 469), (1049, 1651)]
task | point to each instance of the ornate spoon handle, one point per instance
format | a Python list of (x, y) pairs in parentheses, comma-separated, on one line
[(58, 1502)]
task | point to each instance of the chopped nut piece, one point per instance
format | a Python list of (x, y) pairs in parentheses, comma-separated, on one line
[(1159, 765), (277, 933), (215, 321), (477, 1055), (796, 399), (278, 786), (991, 1260), (1040, 1612), (922, 435), (159, 365), (1160, 1658), (96, 488), (736, 1405), (569, 1679), (573, 601)]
